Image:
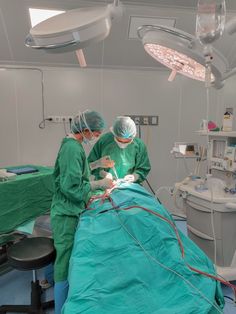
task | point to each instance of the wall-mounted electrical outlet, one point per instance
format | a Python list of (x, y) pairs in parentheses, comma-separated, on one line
[(154, 120), (60, 119), (136, 120), (55, 119), (145, 120), (67, 118)]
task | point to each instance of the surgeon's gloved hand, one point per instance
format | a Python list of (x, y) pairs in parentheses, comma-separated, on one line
[(131, 177), (104, 162), (105, 174), (102, 184)]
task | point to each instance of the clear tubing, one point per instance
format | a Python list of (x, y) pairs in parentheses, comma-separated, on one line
[(208, 75), (207, 117), (212, 224)]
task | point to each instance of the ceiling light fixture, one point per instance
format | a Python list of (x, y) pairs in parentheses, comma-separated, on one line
[(183, 53), (175, 49), (73, 30)]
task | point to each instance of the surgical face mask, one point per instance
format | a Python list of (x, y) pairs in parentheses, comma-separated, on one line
[(120, 144), (90, 141)]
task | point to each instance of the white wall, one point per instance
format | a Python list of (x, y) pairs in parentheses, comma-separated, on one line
[(180, 106)]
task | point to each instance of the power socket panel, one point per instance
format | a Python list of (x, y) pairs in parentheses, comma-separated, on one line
[(60, 119), (67, 119), (145, 120)]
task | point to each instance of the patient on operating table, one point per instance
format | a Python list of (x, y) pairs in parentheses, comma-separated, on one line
[(129, 257)]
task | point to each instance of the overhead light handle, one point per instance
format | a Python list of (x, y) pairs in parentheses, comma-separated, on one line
[(172, 75), (81, 58)]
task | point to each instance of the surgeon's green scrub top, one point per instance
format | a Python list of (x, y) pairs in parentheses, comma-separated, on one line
[(72, 191), (129, 160)]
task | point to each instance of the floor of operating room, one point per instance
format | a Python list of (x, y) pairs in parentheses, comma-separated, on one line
[(15, 286)]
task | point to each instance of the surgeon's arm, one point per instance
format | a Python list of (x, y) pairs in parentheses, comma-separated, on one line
[(142, 165), (103, 184), (95, 154), (104, 162)]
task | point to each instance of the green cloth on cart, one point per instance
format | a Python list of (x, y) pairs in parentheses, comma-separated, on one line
[(121, 262), (25, 197)]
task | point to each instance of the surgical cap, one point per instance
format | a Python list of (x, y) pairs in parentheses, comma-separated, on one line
[(88, 120), (124, 127)]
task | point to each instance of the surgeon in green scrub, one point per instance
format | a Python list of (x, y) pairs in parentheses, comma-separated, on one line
[(119, 153), (72, 192)]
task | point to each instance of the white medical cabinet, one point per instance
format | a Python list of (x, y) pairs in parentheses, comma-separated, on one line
[(211, 215)]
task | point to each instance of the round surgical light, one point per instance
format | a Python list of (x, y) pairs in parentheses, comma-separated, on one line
[(182, 53), (177, 61), (71, 30)]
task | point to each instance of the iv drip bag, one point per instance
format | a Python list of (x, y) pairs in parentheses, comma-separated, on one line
[(210, 20)]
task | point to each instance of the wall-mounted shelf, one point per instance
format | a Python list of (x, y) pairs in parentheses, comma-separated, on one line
[(217, 133)]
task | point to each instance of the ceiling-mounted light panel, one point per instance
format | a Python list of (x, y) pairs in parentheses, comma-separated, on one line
[(177, 62), (182, 53), (39, 15), (72, 30)]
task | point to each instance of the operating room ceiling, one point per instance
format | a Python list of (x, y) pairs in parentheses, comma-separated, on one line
[(116, 51)]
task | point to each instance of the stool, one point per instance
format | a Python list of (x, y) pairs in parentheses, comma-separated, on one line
[(31, 254)]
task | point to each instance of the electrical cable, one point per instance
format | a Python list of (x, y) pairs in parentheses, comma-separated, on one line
[(166, 267), (180, 109), (17, 121), (117, 207), (213, 232), (150, 186), (227, 297), (202, 151), (102, 69), (178, 238), (167, 188), (64, 125), (139, 130), (178, 216), (70, 122), (208, 84), (186, 166), (42, 123), (212, 223), (147, 136), (208, 140), (146, 180), (176, 190)]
